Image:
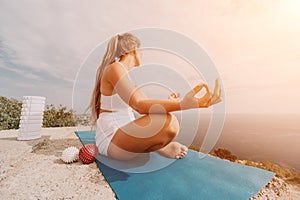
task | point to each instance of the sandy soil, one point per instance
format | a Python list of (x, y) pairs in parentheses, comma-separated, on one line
[(33, 170)]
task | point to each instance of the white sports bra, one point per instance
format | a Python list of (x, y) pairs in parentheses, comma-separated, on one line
[(114, 102)]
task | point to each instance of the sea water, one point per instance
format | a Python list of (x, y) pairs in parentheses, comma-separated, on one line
[(256, 137)]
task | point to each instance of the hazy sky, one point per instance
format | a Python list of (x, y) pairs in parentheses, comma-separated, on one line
[(255, 44)]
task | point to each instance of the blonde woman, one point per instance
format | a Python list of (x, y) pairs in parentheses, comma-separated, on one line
[(118, 134)]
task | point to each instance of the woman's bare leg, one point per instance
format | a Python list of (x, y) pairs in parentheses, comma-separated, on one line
[(149, 133)]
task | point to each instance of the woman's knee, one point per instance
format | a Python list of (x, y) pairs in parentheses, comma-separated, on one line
[(166, 124), (172, 126)]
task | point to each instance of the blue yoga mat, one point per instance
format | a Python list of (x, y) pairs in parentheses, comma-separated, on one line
[(196, 176)]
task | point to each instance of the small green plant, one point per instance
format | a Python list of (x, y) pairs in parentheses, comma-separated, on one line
[(58, 117), (194, 147), (280, 171), (10, 110), (224, 154)]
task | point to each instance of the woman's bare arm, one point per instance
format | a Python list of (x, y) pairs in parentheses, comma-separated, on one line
[(145, 106), (136, 98)]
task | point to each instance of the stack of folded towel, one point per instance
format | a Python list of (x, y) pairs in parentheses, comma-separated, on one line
[(31, 119)]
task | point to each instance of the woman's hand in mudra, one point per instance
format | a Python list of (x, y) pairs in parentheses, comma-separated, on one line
[(217, 95), (174, 97), (190, 101)]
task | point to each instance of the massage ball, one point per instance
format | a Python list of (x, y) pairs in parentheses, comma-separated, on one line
[(88, 153), (70, 154)]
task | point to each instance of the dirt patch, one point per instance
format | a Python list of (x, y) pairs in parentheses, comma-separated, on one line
[(54, 147)]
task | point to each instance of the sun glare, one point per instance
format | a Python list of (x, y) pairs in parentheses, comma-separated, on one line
[(290, 8)]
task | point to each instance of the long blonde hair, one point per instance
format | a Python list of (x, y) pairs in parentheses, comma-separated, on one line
[(118, 46)]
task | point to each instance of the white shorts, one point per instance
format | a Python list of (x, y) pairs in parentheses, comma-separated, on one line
[(107, 125)]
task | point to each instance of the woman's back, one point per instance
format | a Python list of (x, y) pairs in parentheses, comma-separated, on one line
[(109, 99)]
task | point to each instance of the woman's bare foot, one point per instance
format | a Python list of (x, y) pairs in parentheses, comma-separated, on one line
[(173, 150)]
